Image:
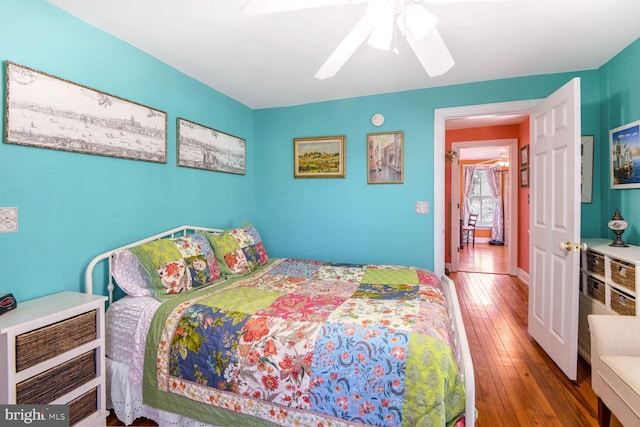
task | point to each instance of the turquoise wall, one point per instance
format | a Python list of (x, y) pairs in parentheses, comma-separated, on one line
[(74, 206), (620, 96), (350, 220)]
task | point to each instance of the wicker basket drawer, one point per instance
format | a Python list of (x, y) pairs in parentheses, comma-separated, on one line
[(595, 262), (596, 289), (623, 304), (83, 406), (52, 340), (624, 274), (57, 381)]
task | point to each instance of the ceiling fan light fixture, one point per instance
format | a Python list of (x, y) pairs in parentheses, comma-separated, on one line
[(419, 20), (381, 37), (381, 14)]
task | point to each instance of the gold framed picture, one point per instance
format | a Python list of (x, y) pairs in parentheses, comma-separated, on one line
[(385, 152), (319, 157)]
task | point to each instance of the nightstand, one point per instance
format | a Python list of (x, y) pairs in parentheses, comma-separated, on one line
[(52, 352)]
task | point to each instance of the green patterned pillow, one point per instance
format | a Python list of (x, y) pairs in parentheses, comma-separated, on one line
[(172, 266), (239, 250)]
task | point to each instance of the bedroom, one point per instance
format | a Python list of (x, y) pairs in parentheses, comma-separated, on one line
[(73, 206)]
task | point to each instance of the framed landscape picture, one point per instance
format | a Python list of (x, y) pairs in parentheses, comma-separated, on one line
[(319, 157), (385, 151)]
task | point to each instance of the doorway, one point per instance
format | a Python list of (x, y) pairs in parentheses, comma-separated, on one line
[(491, 196), (495, 159), (441, 116)]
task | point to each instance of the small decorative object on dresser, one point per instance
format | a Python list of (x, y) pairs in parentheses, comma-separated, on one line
[(52, 352), (618, 225)]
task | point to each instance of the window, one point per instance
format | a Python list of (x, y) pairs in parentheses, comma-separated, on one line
[(480, 198)]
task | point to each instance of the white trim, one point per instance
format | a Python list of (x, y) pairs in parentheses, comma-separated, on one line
[(439, 126)]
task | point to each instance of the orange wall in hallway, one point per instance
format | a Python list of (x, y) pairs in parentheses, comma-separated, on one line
[(519, 131)]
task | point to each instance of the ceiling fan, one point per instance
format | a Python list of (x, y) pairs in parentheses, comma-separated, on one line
[(410, 17)]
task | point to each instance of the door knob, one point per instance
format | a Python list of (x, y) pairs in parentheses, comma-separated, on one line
[(566, 246), (576, 247)]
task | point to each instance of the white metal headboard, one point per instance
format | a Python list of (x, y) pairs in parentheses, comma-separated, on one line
[(175, 232)]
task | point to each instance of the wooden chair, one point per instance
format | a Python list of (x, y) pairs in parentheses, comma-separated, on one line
[(469, 230)]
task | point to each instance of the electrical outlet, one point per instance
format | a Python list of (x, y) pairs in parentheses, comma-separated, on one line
[(422, 208), (8, 220)]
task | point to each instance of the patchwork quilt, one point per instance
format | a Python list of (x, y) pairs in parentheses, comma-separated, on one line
[(306, 343)]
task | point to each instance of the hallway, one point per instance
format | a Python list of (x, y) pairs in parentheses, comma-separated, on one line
[(484, 258)]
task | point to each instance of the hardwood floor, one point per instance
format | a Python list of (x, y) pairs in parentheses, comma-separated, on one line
[(484, 258), (517, 384)]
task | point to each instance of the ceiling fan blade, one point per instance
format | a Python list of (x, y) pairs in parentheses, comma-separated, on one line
[(418, 20), (345, 49), (266, 7), (432, 53)]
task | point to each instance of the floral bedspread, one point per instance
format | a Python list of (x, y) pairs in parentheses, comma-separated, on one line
[(306, 343)]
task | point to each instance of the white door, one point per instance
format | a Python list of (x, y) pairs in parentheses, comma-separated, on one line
[(554, 225)]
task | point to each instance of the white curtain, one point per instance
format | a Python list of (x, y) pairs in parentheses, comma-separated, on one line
[(493, 177), (468, 171)]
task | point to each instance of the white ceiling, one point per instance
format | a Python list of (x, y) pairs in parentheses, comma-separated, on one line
[(270, 61)]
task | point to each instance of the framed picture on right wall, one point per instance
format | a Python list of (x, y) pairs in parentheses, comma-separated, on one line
[(624, 150), (524, 177), (524, 156)]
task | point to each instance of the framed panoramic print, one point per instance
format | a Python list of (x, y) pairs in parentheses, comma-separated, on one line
[(319, 157), (50, 112), (625, 153), (201, 147), (385, 154)]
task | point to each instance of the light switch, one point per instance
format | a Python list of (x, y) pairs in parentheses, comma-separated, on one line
[(8, 220), (422, 208)]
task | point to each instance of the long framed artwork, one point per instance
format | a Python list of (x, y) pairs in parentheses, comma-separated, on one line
[(202, 147), (50, 112), (319, 157), (385, 153), (586, 168), (624, 150)]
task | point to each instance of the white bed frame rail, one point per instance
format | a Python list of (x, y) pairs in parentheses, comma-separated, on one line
[(461, 349), (183, 230)]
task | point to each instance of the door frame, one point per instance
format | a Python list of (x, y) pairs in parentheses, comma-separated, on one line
[(440, 116), (512, 218)]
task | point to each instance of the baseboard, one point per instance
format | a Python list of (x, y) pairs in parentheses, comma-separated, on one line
[(524, 276)]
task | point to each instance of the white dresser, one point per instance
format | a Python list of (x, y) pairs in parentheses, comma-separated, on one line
[(609, 280), (52, 352)]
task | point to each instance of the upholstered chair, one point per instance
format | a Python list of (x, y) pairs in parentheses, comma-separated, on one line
[(615, 367)]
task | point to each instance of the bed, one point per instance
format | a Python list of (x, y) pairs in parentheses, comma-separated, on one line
[(212, 331)]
